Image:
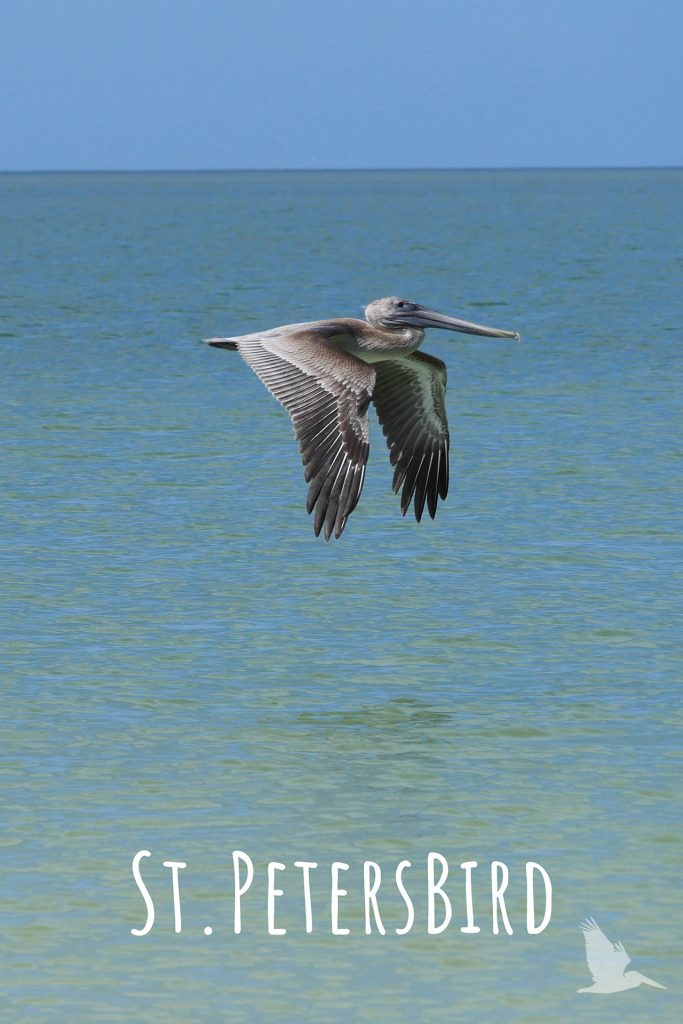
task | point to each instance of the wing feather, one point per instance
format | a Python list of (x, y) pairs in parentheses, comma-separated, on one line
[(326, 392), (409, 396)]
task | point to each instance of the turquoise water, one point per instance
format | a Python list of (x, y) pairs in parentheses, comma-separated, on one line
[(187, 670)]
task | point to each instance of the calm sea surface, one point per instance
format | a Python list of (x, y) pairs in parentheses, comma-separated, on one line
[(187, 670)]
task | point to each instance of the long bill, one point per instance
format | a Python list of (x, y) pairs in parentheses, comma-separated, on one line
[(649, 981), (430, 318)]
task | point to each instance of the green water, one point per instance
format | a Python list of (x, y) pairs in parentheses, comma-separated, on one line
[(187, 670)]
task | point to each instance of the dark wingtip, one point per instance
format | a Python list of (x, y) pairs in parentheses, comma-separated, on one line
[(339, 529), (221, 343)]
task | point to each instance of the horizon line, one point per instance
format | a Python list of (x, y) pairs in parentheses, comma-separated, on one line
[(337, 170)]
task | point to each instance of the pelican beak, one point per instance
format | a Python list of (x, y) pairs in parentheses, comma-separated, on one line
[(424, 318), (649, 981)]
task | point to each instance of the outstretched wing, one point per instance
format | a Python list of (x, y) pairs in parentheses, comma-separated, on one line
[(326, 392), (606, 960), (409, 398)]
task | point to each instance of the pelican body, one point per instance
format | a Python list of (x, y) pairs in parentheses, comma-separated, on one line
[(327, 372)]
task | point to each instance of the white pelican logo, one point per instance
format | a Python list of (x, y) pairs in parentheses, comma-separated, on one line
[(607, 962)]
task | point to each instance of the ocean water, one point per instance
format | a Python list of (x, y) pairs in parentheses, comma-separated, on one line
[(188, 671)]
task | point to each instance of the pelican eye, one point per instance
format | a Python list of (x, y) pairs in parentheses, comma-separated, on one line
[(405, 305)]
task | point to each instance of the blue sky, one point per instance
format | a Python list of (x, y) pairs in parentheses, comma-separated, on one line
[(94, 84)]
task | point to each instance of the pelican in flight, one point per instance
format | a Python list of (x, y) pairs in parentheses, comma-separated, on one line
[(327, 372), (607, 962)]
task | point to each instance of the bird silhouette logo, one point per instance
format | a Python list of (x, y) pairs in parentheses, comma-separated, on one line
[(607, 962)]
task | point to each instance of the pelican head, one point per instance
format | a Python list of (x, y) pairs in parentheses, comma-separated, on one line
[(394, 314)]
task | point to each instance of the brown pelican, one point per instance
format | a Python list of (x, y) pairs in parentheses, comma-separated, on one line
[(327, 372)]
